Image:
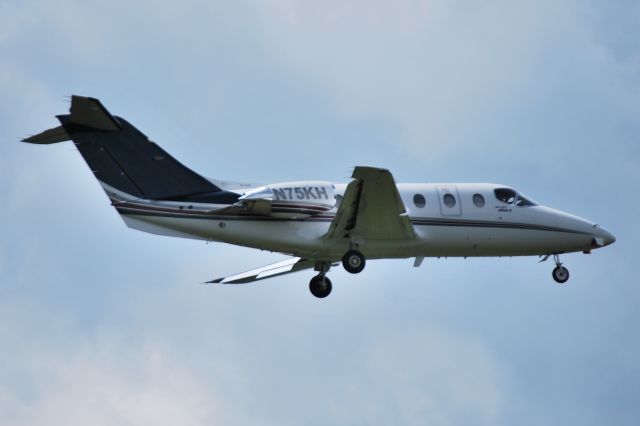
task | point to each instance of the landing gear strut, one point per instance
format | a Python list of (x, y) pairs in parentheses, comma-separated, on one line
[(353, 261), (560, 273), (320, 286)]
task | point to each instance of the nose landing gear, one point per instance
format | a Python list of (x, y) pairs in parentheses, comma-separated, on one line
[(560, 273)]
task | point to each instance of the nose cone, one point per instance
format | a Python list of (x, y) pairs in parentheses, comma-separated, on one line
[(603, 237), (608, 237)]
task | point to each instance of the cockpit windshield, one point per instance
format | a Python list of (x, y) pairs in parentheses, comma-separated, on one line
[(509, 196), (506, 195)]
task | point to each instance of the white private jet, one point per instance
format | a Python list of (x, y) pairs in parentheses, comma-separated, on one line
[(319, 224)]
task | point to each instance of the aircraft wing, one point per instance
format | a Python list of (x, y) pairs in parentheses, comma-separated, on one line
[(371, 208), (294, 264)]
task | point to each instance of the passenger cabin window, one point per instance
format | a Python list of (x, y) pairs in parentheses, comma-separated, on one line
[(449, 200), (505, 195), (478, 200), (419, 201)]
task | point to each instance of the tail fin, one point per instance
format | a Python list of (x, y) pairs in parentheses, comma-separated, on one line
[(121, 156)]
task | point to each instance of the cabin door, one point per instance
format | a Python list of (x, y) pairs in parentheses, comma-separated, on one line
[(449, 201)]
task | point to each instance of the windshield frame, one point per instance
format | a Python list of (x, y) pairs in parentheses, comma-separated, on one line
[(524, 201), (512, 197)]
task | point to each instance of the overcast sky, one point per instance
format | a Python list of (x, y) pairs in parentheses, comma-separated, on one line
[(102, 325)]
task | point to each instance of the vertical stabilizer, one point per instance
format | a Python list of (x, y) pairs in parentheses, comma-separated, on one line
[(121, 156)]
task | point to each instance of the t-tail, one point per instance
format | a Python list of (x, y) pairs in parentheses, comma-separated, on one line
[(123, 159)]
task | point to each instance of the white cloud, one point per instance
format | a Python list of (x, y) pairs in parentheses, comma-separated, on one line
[(403, 16), (425, 376), (451, 75), (109, 383), (425, 66)]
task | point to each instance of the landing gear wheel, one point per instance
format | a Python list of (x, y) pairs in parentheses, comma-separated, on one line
[(320, 286), (560, 274), (353, 261)]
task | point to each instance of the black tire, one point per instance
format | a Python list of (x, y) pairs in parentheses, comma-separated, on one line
[(560, 274), (320, 286), (353, 261)]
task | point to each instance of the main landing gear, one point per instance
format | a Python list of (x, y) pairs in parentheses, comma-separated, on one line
[(353, 261), (320, 286)]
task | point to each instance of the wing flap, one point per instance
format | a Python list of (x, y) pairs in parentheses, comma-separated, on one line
[(287, 266)]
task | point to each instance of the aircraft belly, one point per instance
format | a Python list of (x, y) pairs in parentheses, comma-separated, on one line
[(470, 241), (304, 238), (158, 226), (287, 236)]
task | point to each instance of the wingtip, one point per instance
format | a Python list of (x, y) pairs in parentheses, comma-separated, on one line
[(216, 281)]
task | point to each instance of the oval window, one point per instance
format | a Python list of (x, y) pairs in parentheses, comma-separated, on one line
[(449, 200), (478, 200), (419, 201)]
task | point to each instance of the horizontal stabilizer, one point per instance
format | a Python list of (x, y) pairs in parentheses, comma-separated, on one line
[(57, 134)]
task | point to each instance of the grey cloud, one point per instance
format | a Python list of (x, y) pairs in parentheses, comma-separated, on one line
[(537, 95)]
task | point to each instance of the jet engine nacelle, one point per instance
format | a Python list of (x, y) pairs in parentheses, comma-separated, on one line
[(290, 199)]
